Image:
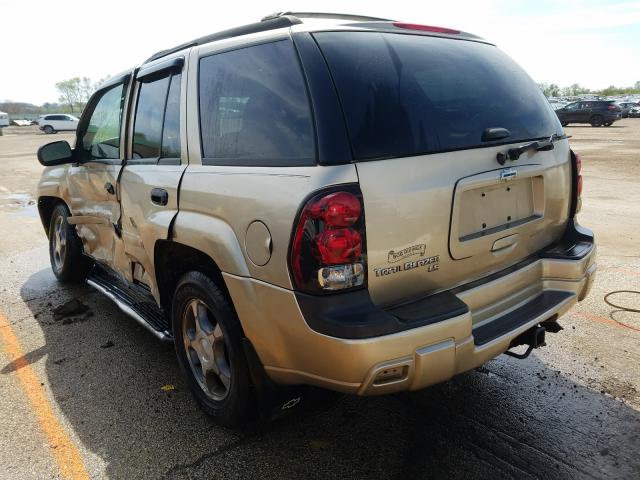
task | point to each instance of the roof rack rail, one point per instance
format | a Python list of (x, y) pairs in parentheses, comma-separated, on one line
[(273, 23), (331, 16)]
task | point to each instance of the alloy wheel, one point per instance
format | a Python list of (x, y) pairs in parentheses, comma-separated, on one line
[(206, 351)]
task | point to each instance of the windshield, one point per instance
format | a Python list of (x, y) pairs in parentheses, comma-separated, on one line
[(410, 94)]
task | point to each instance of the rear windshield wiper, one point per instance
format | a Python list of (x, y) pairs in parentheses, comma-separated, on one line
[(538, 145)]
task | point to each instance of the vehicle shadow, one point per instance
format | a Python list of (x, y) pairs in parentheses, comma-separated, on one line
[(122, 393)]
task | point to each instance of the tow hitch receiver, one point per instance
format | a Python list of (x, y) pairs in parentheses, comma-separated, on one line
[(534, 338)]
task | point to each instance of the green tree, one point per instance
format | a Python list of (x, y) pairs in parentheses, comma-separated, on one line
[(549, 89), (70, 93), (575, 90), (75, 92)]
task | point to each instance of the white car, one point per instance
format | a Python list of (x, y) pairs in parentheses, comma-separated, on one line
[(58, 123)]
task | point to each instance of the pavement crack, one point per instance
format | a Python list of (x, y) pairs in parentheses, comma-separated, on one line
[(171, 473)]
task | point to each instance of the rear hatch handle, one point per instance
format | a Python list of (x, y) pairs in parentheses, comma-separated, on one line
[(538, 145)]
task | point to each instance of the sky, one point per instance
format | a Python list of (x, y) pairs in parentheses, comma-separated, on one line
[(593, 43)]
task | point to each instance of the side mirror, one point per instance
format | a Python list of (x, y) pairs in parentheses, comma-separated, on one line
[(55, 153)]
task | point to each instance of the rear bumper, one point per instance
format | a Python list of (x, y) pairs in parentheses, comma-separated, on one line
[(467, 327)]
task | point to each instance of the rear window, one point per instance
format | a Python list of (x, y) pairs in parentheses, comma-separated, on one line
[(254, 108), (409, 94)]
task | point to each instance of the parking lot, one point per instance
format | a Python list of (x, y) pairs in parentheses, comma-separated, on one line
[(89, 393)]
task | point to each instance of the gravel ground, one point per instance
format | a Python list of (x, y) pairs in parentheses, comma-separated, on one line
[(571, 410)]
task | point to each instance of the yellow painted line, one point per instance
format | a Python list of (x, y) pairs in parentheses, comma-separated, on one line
[(63, 450)]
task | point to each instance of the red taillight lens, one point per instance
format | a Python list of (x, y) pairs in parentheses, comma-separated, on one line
[(579, 185), (342, 245), (426, 28), (578, 162), (340, 209), (328, 245), (612, 107)]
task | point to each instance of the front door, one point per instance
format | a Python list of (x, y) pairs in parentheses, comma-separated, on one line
[(156, 159), (93, 179), (572, 113)]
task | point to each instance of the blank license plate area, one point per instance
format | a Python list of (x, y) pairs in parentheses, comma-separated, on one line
[(493, 208)]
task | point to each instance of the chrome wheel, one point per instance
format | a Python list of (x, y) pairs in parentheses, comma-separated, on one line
[(206, 350), (59, 240)]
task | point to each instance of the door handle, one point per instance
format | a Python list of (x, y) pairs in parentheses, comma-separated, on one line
[(159, 196), (109, 188)]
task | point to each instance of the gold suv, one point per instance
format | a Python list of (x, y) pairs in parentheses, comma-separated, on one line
[(352, 203)]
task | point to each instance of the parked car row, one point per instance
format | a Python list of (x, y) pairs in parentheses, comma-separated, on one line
[(625, 108)]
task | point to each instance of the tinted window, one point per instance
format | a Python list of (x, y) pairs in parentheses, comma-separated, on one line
[(254, 108), (411, 94), (171, 131), (156, 130), (102, 138), (147, 130)]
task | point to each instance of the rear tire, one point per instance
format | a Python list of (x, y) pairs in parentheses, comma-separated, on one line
[(564, 124), (208, 342), (68, 262), (48, 129), (608, 124), (597, 121)]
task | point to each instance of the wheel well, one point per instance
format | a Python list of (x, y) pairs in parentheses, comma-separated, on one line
[(172, 260), (45, 209)]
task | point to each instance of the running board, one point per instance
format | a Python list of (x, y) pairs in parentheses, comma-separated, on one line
[(131, 300)]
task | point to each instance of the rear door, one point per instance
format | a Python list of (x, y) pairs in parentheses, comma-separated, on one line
[(440, 210), (155, 162)]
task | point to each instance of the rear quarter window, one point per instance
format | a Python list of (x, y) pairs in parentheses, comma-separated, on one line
[(406, 95), (254, 108)]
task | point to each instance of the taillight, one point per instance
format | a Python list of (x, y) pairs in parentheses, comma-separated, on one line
[(328, 248), (577, 162), (426, 28), (612, 107), (579, 185)]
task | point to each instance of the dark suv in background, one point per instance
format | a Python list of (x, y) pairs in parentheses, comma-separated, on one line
[(595, 112)]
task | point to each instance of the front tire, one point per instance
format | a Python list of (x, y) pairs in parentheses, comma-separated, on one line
[(597, 121), (48, 129), (208, 342), (65, 248)]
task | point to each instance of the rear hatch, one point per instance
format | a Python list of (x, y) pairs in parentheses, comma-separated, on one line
[(440, 209)]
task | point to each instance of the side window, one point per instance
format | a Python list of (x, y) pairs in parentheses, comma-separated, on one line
[(171, 131), (102, 138), (156, 131), (573, 106), (254, 108)]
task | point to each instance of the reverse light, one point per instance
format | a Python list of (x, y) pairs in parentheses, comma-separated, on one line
[(341, 277), (328, 245), (426, 28)]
